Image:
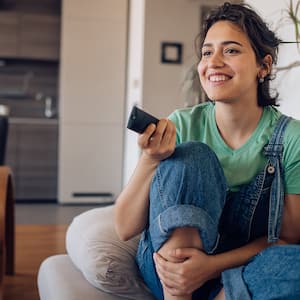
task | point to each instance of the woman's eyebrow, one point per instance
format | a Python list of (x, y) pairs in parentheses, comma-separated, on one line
[(224, 43)]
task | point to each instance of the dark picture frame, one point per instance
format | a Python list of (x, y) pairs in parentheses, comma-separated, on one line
[(171, 53)]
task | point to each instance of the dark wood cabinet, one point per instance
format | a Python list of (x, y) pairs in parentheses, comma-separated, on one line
[(32, 155), (39, 36), (9, 24), (29, 36)]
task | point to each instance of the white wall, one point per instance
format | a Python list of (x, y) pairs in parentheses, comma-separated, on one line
[(134, 93), (155, 86), (287, 82), (167, 21)]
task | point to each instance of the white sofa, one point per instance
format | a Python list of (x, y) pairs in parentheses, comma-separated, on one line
[(97, 264)]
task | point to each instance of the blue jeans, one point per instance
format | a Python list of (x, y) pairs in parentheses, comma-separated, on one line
[(189, 189), (273, 274)]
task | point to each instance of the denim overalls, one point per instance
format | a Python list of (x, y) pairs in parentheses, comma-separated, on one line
[(189, 189)]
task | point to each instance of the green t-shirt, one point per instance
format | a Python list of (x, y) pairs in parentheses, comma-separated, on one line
[(241, 165)]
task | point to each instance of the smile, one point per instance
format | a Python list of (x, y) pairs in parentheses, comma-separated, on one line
[(218, 78)]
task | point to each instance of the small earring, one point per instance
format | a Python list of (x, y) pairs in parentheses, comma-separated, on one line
[(261, 80)]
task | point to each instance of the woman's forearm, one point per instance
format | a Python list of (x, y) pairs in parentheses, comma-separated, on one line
[(131, 209), (239, 256)]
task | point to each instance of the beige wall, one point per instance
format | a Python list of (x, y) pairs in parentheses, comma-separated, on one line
[(156, 86), (169, 21)]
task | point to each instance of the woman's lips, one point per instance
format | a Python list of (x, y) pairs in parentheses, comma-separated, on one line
[(218, 77)]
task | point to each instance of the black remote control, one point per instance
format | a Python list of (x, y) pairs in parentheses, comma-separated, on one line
[(139, 120)]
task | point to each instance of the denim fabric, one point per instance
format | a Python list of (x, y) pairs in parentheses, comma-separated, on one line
[(245, 215), (274, 151), (189, 189), (256, 209), (273, 274), (197, 200)]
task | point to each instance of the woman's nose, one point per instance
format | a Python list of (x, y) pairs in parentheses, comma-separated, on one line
[(216, 60)]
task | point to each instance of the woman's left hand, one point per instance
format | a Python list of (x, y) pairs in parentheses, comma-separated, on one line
[(185, 277)]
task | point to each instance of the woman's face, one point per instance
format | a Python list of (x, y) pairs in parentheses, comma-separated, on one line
[(228, 69)]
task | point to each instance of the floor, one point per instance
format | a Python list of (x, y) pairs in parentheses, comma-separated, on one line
[(34, 243), (40, 232), (49, 213)]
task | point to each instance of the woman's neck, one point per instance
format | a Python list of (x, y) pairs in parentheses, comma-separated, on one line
[(235, 123)]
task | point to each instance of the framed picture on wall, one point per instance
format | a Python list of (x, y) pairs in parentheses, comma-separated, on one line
[(171, 53)]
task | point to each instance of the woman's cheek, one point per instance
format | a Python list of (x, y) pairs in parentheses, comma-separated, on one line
[(201, 71)]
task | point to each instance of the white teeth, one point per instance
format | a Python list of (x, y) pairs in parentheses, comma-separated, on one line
[(216, 78)]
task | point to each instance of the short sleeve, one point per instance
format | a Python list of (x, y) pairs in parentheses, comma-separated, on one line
[(174, 118), (291, 158)]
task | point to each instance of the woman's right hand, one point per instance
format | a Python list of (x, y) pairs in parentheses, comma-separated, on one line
[(158, 141)]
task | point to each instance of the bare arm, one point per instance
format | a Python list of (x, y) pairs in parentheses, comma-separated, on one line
[(290, 234), (198, 267), (290, 230), (182, 278), (131, 209)]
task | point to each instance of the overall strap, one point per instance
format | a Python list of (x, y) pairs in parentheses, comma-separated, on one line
[(275, 145), (274, 151)]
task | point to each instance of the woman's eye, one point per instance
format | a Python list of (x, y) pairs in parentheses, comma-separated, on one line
[(206, 53), (231, 51)]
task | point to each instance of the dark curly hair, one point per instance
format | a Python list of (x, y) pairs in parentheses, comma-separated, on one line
[(262, 39)]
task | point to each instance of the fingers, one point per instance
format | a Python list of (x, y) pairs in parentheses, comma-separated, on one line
[(182, 253), (144, 138), (173, 275), (167, 271), (173, 283), (175, 292), (157, 136), (169, 135), (159, 141)]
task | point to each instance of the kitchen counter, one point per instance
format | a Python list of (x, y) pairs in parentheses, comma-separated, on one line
[(32, 155), (33, 121)]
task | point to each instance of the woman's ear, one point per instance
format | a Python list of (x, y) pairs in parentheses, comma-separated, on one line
[(266, 66)]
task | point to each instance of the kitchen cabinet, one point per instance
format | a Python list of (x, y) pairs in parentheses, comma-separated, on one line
[(9, 24), (29, 36), (39, 36), (92, 100), (32, 155)]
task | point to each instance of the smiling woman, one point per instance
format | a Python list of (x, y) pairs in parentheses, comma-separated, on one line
[(228, 188), (228, 69)]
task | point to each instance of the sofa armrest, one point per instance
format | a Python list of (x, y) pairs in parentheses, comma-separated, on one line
[(6, 224)]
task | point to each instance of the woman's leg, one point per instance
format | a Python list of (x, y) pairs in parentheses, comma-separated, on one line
[(274, 273), (188, 190), (271, 274), (182, 237)]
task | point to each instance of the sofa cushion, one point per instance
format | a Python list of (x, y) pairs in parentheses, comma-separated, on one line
[(59, 279), (105, 261)]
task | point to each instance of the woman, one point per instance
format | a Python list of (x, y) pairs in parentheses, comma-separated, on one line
[(216, 191)]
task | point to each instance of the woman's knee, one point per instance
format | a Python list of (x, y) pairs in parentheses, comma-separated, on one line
[(185, 192), (192, 174), (182, 237)]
